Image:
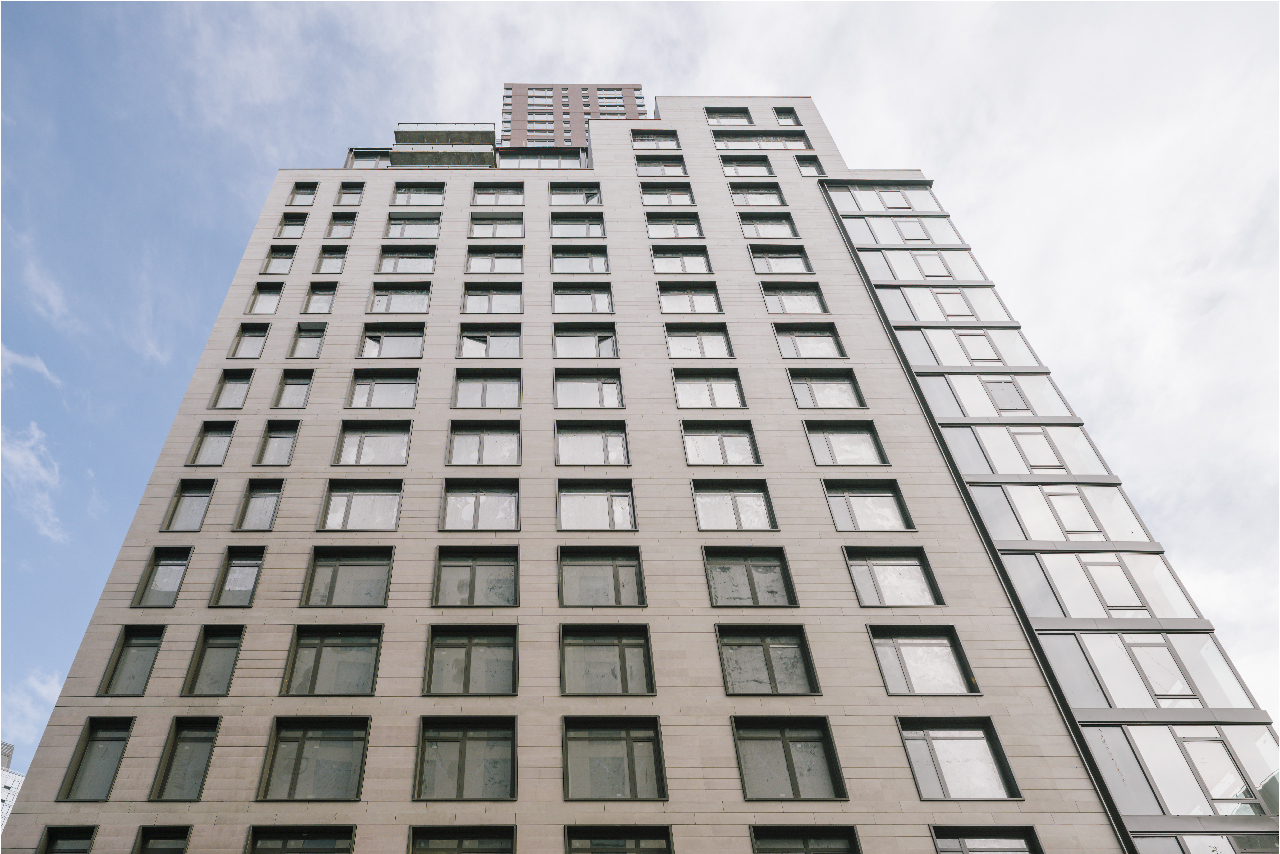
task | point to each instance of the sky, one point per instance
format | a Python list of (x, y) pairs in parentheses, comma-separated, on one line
[(1114, 165)]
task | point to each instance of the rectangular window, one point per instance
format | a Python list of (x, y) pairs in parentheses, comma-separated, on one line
[(689, 299), (509, 159), (681, 260), (748, 578), (467, 578), (303, 194), (384, 389), (888, 579), (489, 342), (407, 260), (568, 225), (810, 167), (898, 231), (239, 577), (418, 194), (603, 661), (492, 299), (249, 341), (786, 116), (662, 226), (348, 578), (921, 265), (467, 759), (307, 340), (957, 759), (575, 194), (484, 443), (698, 342), (94, 769), (768, 226), (989, 395), (130, 667), (720, 443), (162, 840), (279, 260), (333, 660), (362, 505), (567, 260), (574, 341), (854, 199), (295, 387), (618, 840), (756, 194), (601, 578), (1060, 512), (702, 390), (787, 759), (331, 259), (766, 660), (866, 506), (728, 116), (486, 839), (373, 443), (598, 443), (494, 261), (996, 840), (212, 443), (980, 348), (315, 759), (413, 226), (1098, 585), (733, 505), (837, 443), (481, 506), (662, 139), (233, 388), (825, 390), (746, 167), (666, 194), (498, 194), (609, 759), (588, 390), (189, 505), (920, 303), (471, 660), (784, 298), (214, 662), (582, 299), (657, 167), (780, 259), (486, 390), (341, 226), (391, 341), (922, 660), (596, 506), (350, 193), (266, 299), (731, 140), (497, 226), (291, 225), (261, 499), (301, 840), (400, 299), (186, 760), (162, 579), (320, 299)]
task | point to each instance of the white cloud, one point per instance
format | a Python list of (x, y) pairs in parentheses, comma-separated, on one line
[(9, 360), (32, 472), (26, 708)]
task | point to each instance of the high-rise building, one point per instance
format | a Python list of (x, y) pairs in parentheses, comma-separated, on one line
[(10, 783), (556, 114), (681, 491)]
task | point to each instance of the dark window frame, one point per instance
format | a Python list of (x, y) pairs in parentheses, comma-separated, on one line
[(740, 723), (471, 632), (625, 724), (710, 554), (304, 633), (465, 724), (219, 633), (131, 637), (305, 723), (894, 633), (172, 743), (337, 556), (445, 554), (233, 556), (93, 725), (762, 632), (623, 636)]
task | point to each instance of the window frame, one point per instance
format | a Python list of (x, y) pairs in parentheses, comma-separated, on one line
[(604, 428), (165, 767), (207, 429), (689, 289), (492, 220), (476, 556), (843, 486), (740, 723), (162, 555), (92, 725), (926, 725), (763, 631), (597, 259), (897, 632), (592, 289), (320, 289), (279, 253), (659, 161), (465, 428), (471, 631), (325, 260), (808, 376), (611, 488), (246, 331), (656, 218), (212, 636), (478, 487), (304, 186), (390, 289), (291, 377), (490, 331), (589, 219), (625, 724), (352, 487), (322, 557), (720, 429), (259, 290), (489, 290), (404, 218), (408, 188), (185, 487), (624, 636), (708, 376), (466, 724), (813, 426), (371, 376), (484, 376), (127, 639), (762, 834), (730, 487), (696, 331), (233, 556), (616, 556), (601, 378), (683, 253), (340, 218), (253, 488), (746, 219), (365, 428), (231, 376), (384, 330), (495, 188), (567, 189), (305, 723), (727, 163), (303, 634)]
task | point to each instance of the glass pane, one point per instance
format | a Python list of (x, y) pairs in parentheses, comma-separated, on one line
[(187, 765), (584, 511), (1169, 770), (895, 678), (715, 511), (495, 585), (922, 768), (968, 768), (1161, 670), (753, 511), (492, 670), (833, 394), (730, 585), (902, 584), (932, 666), (1078, 597), (745, 671), (1216, 769), (133, 666), (1158, 586), (1118, 520), (854, 448), (1117, 671), (597, 769), (813, 771), (789, 669), (764, 769), (1255, 747), (373, 511), (1212, 675), (214, 676), (1124, 776), (213, 449), (1073, 672), (876, 512), (97, 769), (488, 772), (439, 772), (346, 669)]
